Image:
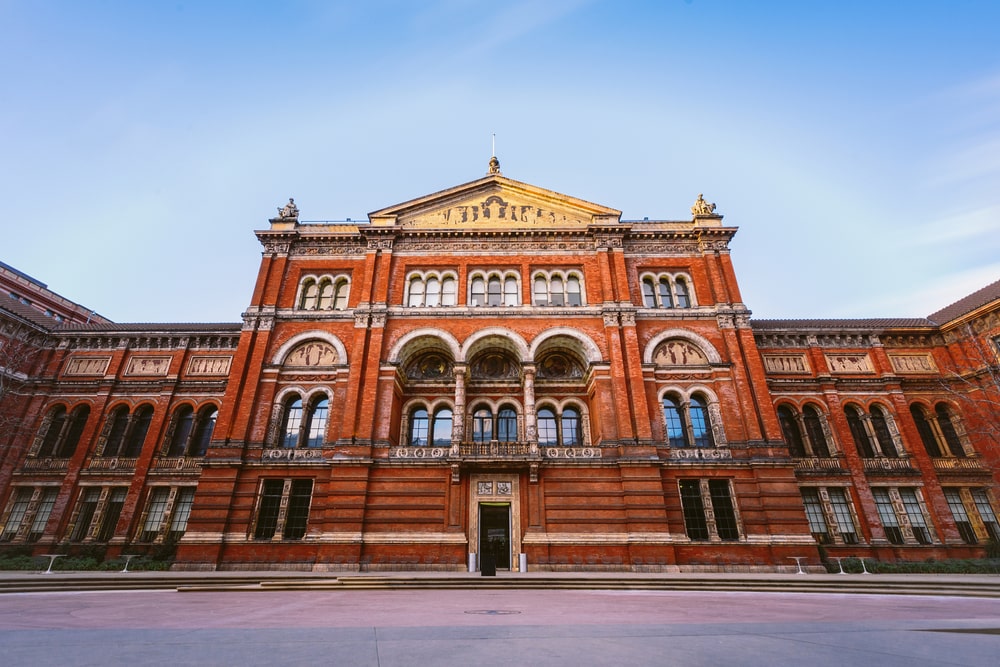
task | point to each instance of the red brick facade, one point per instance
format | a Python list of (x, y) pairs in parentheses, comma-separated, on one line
[(498, 368)]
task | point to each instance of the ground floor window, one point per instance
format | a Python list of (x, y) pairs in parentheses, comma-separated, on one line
[(97, 512), (167, 512), (973, 513), (697, 495), (27, 513), (902, 514), (283, 509)]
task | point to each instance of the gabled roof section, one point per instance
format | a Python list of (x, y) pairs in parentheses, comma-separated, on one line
[(966, 305), (495, 202)]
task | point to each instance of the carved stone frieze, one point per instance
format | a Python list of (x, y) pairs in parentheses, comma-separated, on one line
[(312, 249), (485, 246), (661, 248), (277, 246), (849, 363), (913, 363), (87, 366), (700, 454), (572, 452), (786, 363)]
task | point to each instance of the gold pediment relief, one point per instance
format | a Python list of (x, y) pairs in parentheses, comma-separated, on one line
[(495, 202), (496, 211)]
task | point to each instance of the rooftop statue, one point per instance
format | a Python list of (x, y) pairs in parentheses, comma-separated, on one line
[(289, 211), (702, 207)]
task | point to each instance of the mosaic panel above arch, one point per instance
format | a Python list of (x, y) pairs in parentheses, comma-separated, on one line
[(678, 352), (312, 354)]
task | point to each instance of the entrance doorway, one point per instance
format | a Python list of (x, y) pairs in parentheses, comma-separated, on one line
[(494, 532)]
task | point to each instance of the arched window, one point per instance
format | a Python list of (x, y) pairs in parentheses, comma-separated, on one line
[(511, 295), (340, 295), (419, 427), (183, 425), (203, 430), (683, 298), (326, 294), (416, 293), (57, 422), (118, 424), (432, 298), (815, 432), (648, 293), (574, 294), (448, 291), (482, 425), (442, 427), (572, 435), (310, 295), (494, 291), (541, 293), (137, 431), (674, 422), (78, 420), (882, 434), (316, 420), (666, 298), (948, 431), (925, 431), (291, 422), (861, 440), (790, 429), (556, 295), (701, 427), (478, 291), (548, 431), (507, 425)]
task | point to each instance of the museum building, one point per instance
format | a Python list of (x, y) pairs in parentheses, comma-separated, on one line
[(498, 371)]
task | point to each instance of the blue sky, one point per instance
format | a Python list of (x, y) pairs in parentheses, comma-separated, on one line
[(855, 144)]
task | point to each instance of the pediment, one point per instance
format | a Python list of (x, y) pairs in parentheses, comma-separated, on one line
[(495, 202)]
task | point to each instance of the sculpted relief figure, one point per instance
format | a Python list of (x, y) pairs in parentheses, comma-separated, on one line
[(702, 207)]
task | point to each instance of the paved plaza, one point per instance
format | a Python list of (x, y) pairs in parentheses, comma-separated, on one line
[(435, 628)]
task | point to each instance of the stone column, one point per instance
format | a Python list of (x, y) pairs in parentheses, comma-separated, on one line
[(458, 415), (530, 426)]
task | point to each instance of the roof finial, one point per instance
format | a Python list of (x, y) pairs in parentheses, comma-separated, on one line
[(494, 162)]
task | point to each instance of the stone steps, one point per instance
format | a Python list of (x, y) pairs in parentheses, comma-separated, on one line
[(952, 585)]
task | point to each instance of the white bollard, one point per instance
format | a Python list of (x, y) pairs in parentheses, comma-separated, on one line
[(472, 562), (523, 562)]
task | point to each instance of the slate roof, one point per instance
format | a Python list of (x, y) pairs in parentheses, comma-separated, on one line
[(967, 304), (866, 324), (29, 313), (96, 327)]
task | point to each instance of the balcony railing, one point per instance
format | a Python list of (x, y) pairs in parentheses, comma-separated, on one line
[(817, 464), (45, 465), (177, 464), (957, 465), (884, 465), (494, 450), (112, 464)]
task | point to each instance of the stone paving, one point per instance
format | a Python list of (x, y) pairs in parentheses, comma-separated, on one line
[(495, 627)]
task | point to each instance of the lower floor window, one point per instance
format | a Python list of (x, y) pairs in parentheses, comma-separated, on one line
[(27, 513), (167, 512), (899, 509), (964, 504), (97, 513), (696, 496), (283, 509)]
